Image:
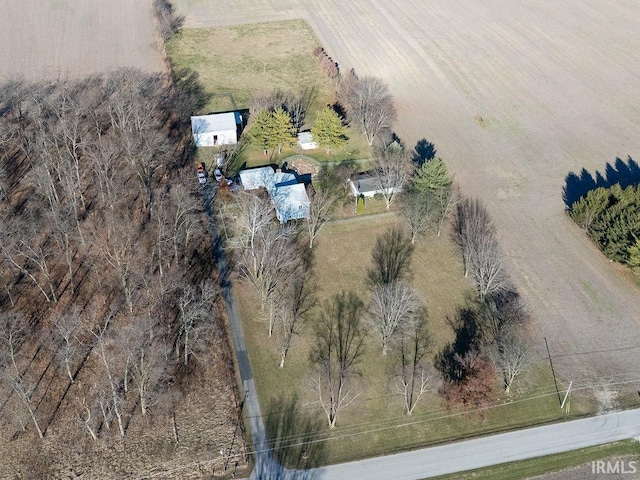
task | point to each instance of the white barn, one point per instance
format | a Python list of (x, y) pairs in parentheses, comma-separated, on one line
[(216, 129)]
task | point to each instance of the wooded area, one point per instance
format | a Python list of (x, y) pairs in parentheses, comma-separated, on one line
[(611, 217), (109, 313)]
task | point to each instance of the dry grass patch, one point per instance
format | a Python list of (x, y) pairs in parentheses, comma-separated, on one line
[(234, 63)]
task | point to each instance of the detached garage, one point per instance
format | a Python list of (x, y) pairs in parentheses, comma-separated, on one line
[(216, 129)]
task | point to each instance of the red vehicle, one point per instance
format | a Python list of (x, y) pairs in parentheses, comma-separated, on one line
[(202, 173)]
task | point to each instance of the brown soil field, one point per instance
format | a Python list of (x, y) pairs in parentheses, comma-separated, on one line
[(514, 96), (66, 38)]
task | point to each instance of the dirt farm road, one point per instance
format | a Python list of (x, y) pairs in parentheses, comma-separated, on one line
[(555, 86)]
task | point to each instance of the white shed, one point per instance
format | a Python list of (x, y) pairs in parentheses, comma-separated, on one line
[(216, 129), (305, 140)]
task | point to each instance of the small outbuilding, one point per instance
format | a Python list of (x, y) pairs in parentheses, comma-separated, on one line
[(305, 140), (216, 129), (368, 186)]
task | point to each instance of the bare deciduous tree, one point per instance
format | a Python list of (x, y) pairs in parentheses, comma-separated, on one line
[(447, 198), (481, 253), (168, 22), (294, 299), (269, 263), (414, 375), (195, 319), (472, 222), (500, 313), (392, 308), (297, 104), (369, 105), (511, 355), (392, 169), (13, 331), (391, 257), (421, 213), (254, 214), (335, 356), (118, 243), (85, 417), (144, 358), (20, 247), (65, 345), (487, 264), (109, 356), (321, 210)]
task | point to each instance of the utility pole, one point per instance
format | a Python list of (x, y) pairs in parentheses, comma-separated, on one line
[(567, 395), (555, 382)]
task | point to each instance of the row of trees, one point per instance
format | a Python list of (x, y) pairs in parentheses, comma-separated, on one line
[(364, 103), (611, 218)]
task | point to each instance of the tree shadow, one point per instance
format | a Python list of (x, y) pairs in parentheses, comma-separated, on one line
[(577, 185), (423, 152), (465, 327), (291, 431)]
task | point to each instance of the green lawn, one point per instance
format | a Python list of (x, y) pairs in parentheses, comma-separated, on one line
[(551, 463), (375, 423)]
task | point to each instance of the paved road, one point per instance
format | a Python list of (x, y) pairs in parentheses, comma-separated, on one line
[(486, 451)]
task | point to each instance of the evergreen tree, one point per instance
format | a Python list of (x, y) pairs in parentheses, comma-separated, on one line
[(432, 177), (269, 130), (634, 256), (611, 217), (328, 130), (261, 132), (284, 132)]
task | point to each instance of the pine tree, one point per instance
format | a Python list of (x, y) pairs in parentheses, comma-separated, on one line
[(284, 133), (328, 130), (432, 177), (261, 131), (269, 130), (634, 256)]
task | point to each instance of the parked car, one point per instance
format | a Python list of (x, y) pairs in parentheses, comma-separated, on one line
[(202, 173), (218, 174)]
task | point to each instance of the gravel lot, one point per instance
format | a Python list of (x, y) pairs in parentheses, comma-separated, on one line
[(70, 38), (514, 95)]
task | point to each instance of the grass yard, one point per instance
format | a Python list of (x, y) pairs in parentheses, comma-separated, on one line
[(552, 463), (375, 423), (234, 63)]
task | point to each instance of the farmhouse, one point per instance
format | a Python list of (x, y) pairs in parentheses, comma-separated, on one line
[(367, 186), (289, 197), (216, 129)]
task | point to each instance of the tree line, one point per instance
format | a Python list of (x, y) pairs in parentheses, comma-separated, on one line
[(108, 298), (611, 218)]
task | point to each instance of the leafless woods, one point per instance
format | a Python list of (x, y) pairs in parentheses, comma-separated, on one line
[(105, 271)]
